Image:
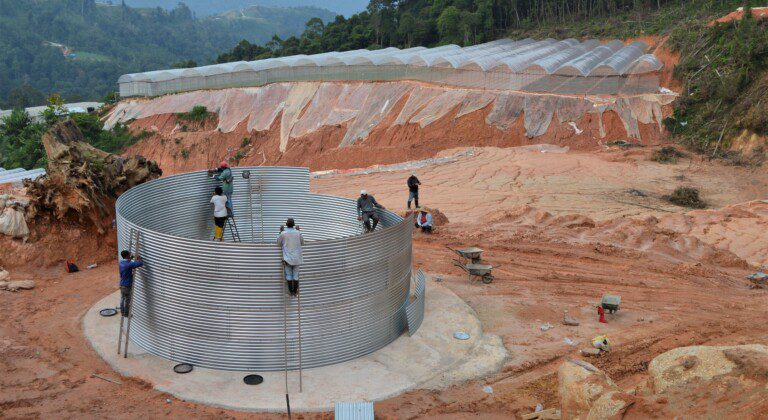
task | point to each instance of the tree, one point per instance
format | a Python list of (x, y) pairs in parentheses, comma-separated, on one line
[(406, 28), (184, 64), (450, 26), (21, 141), (25, 96)]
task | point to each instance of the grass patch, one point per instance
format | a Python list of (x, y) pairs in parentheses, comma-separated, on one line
[(754, 159), (198, 114), (623, 143), (686, 197), (667, 154), (724, 70)]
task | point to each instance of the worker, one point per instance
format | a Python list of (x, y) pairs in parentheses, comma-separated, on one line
[(424, 220), (290, 241), (366, 210), (126, 265), (219, 201), (224, 174), (413, 190)]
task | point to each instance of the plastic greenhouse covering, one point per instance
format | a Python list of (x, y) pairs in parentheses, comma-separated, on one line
[(567, 66)]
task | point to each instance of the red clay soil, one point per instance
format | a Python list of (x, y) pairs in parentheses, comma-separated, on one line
[(681, 279), (387, 143), (759, 13)]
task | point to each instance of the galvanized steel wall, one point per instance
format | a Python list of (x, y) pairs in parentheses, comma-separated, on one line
[(220, 305)]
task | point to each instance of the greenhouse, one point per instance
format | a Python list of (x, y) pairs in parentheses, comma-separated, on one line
[(568, 67)]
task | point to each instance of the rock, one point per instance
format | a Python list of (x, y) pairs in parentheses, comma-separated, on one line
[(690, 361), (751, 363), (610, 404), (580, 386), (590, 352), (4, 275), (13, 224), (18, 284), (679, 366), (568, 320)]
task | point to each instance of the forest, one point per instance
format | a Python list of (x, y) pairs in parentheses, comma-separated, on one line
[(79, 48), (403, 24)]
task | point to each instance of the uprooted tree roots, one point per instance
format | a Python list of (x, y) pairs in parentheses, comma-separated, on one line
[(82, 182)]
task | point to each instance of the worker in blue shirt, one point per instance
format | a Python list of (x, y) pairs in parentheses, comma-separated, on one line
[(126, 267)]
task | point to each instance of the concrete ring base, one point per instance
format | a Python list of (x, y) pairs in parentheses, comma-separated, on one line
[(431, 359)]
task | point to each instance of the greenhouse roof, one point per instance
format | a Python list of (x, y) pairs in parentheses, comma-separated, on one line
[(567, 57)]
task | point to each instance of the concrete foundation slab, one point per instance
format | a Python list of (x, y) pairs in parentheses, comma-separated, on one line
[(431, 358)]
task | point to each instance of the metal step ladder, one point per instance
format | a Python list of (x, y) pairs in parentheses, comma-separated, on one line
[(125, 321), (232, 227)]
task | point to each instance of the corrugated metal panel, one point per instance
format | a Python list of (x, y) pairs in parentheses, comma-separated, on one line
[(220, 305), (20, 176), (353, 411), (415, 308)]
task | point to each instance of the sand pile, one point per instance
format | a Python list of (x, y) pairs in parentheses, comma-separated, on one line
[(647, 234)]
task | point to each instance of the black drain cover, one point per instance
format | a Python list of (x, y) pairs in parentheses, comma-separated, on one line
[(253, 379), (108, 312), (183, 368)]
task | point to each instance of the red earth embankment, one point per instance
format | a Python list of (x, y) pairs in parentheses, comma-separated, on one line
[(356, 124)]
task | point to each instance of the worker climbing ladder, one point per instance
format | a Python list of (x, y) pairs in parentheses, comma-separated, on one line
[(133, 248), (285, 334)]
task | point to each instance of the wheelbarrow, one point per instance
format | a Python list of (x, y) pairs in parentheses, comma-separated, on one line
[(468, 254), (610, 303), (477, 272)]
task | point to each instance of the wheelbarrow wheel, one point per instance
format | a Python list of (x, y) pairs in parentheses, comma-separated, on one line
[(487, 278)]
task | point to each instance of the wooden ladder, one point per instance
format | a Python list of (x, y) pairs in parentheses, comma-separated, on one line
[(123, 322)]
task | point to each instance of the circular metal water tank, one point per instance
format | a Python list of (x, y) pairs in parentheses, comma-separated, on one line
[(221, 304)]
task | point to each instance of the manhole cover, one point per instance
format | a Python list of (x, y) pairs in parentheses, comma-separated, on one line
[(108, 312), (183, 368), (253, 379), (461, 335)]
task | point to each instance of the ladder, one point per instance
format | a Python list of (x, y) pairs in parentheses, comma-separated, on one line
[(286, 293), (232, 226), (257, 188), (123, 321)]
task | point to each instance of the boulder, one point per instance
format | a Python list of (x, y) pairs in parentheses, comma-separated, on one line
[(16, 285), (610, 404), (4, 275), (13, 224), (580, 386), (679, 366)]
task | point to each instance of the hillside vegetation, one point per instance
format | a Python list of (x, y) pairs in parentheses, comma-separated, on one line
[(108, 41), (430, 23), (722, 67)]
